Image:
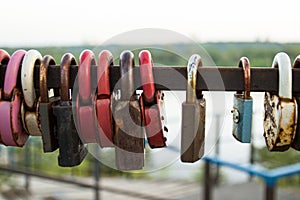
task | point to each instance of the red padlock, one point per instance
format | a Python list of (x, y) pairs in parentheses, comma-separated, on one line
[(103, 102), (86, 116), (150, 103)]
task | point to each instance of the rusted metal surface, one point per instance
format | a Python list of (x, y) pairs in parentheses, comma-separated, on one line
[(262, 78), (280, 122), (129, 138)]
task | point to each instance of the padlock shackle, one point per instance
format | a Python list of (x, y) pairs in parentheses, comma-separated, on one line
[(245, 64), (11, 74), (105, 61), (296, 63), (47, 60), (4, 57), (31, 58), (126, 67), (86, 59), (193, 64), (67, 60), (283, 63), (146, 64)]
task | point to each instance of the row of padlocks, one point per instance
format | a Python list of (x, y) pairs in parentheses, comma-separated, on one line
[(94, 115)]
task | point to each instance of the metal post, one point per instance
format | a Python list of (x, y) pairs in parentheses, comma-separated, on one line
[(27, 158), (207, 181), (270, 192), (217, 174), (96, 176)]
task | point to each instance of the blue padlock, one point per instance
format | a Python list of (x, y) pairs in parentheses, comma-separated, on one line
[(242, 107)]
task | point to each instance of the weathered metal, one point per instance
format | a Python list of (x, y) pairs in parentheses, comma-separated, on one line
[(47, 120), (71, 149), (129, 138), (242, 107), (11, 129), (280, 119), (193, 116)]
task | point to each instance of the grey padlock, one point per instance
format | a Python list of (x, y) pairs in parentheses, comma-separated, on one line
[(242, 107), (280, 121), (193, 116), (129, 137), (46, 117)]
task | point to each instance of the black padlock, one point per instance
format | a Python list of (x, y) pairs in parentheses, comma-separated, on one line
[(296, 142), (71, 150), (129, 137), (46, 117)]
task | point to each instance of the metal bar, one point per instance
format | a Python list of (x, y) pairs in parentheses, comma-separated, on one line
[(173, 78), (270, 192), (81, 184), (207, 182)]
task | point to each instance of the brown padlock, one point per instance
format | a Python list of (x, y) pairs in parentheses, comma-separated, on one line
[(193, 116), (46, 117), (129, 138)]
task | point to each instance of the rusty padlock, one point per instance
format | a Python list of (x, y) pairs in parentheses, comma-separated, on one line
[(11, 129), (71, 150), (29, 108), (129, 138), (280, 119), (296, 141), (193, 115), (46, 117), (150, 103), (242, 107), (85, 112), (103, 102)]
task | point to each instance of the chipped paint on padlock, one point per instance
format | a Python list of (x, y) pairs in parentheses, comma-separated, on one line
[(280, 121), (150, 102), (11, 129)]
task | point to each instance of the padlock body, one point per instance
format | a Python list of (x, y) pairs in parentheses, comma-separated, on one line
[(105, 123), (71, 150), (48, 125), (193, 130), (129, 139), (296, 141), (280, 122), (242, 124)]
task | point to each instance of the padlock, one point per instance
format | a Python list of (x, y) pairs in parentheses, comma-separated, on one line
[(193, 116), (103, 102), (129, 139), (11, 129), (85, 112), (280, 119), (242, 107), (46, 117), (150, 103), (71, 150), (29, 107), (296, 141)]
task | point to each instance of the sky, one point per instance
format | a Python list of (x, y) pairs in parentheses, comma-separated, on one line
[(67, 22)]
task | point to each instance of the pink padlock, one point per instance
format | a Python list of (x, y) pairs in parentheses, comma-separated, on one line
[(86, 114), (11, 129)]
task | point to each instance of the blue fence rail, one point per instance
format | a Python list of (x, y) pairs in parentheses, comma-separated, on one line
[(270, 177)]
